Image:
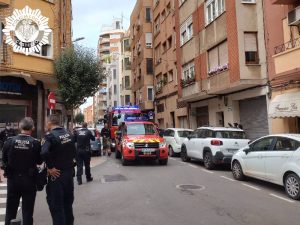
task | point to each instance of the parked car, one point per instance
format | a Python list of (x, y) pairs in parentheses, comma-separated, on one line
[(273, 158), (213, 145), (95, 145), (174, 138)]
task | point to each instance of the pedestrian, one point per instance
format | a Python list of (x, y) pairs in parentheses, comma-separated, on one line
[(4, 135), (106, 136), (58, 151), (21, 155), (83, 152)]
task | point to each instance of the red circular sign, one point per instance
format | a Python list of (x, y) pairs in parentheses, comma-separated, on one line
[(51, 100)]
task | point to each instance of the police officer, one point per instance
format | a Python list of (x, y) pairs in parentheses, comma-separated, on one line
[(83, 153), (7, 132), (21, 154), (58, 151)]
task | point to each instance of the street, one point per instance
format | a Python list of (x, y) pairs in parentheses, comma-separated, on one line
[(148, 194)]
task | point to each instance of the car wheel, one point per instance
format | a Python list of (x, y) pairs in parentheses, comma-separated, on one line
[(124, 161), (184, 156), (292, 186), (208, 162), (163, 161), (237, 171), (171, 152)]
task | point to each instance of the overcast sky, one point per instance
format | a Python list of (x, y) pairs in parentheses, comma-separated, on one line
[(90, 15)]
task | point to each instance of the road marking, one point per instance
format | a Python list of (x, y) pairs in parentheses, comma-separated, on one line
[(2, 192), (207, 171), (227, 178), (173, 159), (2, 200), (282, 198), (196, 167), (182, 162), (253, 187), (2, 211), (3, 184)]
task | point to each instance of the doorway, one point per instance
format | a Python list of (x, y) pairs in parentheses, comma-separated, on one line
[(220, 119)]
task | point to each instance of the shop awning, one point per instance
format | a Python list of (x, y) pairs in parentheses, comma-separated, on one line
[(285, 105)]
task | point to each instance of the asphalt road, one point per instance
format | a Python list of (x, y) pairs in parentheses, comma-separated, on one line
[(148, 194)]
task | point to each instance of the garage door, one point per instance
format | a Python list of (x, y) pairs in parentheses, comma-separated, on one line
[(254, 117)]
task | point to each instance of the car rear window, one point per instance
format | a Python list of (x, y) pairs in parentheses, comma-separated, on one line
[(184, 133), (230, 134)]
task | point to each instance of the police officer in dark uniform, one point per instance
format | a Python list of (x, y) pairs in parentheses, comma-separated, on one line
[(83, 154), (21, 154), (58, 151), (7, 132)]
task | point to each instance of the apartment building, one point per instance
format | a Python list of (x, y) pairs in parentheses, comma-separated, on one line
[(165, 69), (109, 52), (126, 93), (88, 113), (221, 63), (282, 26), (142, 55), (25, 81)]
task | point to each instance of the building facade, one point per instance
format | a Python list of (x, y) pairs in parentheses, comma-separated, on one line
[(25, 81), (142, 55), (126, 93), (88, 113), (222, 67), (283, 50)]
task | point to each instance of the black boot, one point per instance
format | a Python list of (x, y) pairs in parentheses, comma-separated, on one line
[(79, 180), (89, 179)]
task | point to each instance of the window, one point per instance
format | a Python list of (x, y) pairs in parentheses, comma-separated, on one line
[(149, 66), (164, 46), (262, 144), (251, 50), (213, 9), (148, 40), (249, 1), (115, 103), (148, 15), (188, 71), (170, 42), (186, 30), (115, 73), (115, 36), (46, 50), (115, 89), (157, 54), (286, 144), (127, 99), (218, 58), (127, 82), (181, 2), (127, 63), (170, 76), (157, 24), (150, 95)]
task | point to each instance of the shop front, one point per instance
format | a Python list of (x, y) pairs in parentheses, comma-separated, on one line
[(284, 109)]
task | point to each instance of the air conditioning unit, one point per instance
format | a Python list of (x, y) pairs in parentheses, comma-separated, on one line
[(294, 17)]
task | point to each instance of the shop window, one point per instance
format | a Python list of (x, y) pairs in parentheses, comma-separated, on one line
[(251, 49)]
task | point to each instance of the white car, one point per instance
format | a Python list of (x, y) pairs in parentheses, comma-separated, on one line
[(213, 145), (174, 138), (273, 158)]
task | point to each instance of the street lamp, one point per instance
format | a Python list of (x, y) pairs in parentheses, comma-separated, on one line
[(78, 39)]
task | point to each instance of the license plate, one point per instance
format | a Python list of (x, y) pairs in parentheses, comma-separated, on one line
[(148, 150), (232, 150)]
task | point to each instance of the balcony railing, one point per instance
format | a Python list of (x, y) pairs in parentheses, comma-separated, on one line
[(288, 45)]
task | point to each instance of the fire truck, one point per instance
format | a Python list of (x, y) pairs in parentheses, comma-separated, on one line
[(139, 139), (116, 115)]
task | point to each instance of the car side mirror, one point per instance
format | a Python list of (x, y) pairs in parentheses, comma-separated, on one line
[(247, 150)]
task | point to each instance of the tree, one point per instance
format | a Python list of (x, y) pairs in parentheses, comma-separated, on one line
[(78, 73), (79, 118)]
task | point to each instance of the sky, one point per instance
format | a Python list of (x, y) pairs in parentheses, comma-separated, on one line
[(90, 15)]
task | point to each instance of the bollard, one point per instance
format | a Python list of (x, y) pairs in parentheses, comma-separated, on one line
[(16, 222)]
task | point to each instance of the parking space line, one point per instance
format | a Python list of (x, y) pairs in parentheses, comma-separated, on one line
[(227, 178), (196, 167), (250, 186), (207, 171), (282, 198)]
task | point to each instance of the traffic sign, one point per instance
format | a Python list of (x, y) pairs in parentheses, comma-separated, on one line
[(51, 100)]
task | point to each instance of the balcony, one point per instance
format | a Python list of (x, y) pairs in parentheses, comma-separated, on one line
[(287, 56), (103, 40)]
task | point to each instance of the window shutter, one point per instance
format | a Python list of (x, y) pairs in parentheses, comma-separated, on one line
[(250, 42), (223, 53), (213, 58), (149, 39)]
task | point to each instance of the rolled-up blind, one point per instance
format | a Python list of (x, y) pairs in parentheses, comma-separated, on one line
[(250, 42)]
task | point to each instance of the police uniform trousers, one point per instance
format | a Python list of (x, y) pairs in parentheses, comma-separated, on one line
[(20, 186), (60, 198), (83, 157)]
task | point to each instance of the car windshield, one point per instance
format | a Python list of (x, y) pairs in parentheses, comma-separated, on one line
[(123, 116), (230, 134), (184, 133), (140, 129)]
